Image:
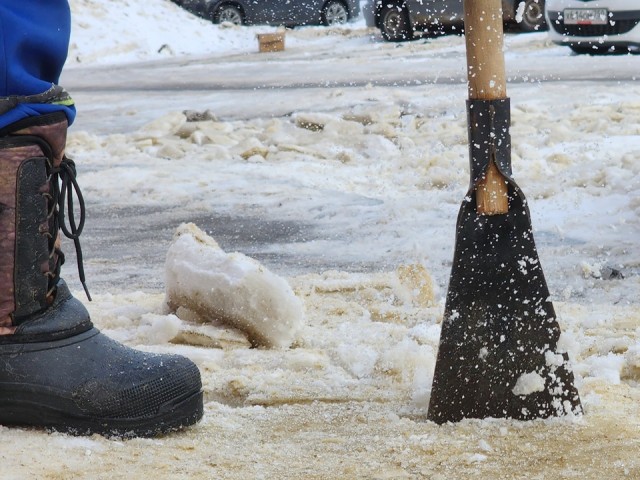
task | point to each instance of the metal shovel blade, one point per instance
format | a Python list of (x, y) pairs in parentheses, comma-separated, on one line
[(498, 346)]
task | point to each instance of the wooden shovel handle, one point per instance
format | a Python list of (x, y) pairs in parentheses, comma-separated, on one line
[(486, 80)]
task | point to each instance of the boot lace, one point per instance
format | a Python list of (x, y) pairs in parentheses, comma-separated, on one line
[(61, 215)]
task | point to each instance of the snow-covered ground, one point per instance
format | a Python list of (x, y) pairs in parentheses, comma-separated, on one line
[(349, 193)]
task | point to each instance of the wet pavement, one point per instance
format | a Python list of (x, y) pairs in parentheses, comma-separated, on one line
[(124, 247)]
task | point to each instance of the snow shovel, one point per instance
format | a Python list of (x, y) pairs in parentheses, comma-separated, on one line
[(498, 352)]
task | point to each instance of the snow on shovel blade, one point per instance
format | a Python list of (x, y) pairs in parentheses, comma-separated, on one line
[(497, 354)]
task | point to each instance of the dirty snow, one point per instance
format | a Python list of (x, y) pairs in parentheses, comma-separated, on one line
[(234, 289), (381, 172)]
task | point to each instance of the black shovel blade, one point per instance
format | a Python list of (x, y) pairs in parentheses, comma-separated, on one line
[(498, 346)]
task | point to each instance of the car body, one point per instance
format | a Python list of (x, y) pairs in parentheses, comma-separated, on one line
[(594, 26), (401, 20), (288, 13)]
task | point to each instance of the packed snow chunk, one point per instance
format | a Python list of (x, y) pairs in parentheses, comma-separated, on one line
[(416, 285), (359, 361), (230, 288), (631, 368), (528, 383), (607, 367), (156, 329)]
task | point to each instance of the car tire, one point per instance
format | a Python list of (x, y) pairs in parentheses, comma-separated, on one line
[(533, 16), (334, 12), (227, 13), (395, 25)]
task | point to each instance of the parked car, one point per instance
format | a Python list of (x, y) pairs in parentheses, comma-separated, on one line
[(401, 20), (289, 13), (595, 26)]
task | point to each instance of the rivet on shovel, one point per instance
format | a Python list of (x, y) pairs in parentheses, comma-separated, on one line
[(498, 352)]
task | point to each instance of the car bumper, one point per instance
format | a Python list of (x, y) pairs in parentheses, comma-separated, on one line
[(370, 7), (369, 13), (508, 10), (354, 10), (622, 29), (197, 7)]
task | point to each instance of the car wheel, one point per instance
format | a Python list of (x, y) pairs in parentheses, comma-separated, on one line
[(532, 16), (227, 13), (394, 23), (334, 13)]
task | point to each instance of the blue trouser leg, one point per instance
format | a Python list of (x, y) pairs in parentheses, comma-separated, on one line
[(34, 41)]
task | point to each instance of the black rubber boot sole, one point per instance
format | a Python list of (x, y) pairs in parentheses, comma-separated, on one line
[(89, 383), (175, 416)]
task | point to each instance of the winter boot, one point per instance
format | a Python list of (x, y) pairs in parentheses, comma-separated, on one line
[(56, 369)]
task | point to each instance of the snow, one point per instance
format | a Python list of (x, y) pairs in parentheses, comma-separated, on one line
[(107, 32), (354, 179), (528, 383), (230, 288)]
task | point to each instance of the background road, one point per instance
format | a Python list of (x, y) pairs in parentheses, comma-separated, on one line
[(124, 245)]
